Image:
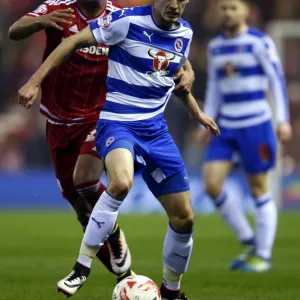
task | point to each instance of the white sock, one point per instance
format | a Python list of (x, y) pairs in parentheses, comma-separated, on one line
[(177, 252), (100, 226), (266, 225), (234, 217)]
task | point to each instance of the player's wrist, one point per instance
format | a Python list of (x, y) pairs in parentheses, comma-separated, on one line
[(40, 21), (35, 80)]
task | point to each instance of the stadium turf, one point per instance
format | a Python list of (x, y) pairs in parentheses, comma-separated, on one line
[(38, 249)]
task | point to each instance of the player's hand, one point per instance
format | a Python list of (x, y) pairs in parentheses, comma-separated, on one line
[(28, 94), (284, 132), (209, 124), (184, 81), (57, 17)]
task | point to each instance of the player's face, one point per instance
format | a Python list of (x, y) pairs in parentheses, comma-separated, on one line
[(88, 3), (171, 10), (233, 13)]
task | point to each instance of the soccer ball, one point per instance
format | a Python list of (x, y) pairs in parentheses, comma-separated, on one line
[(136, 288)]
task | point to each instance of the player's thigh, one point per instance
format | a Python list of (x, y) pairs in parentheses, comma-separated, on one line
[(64, 158), (89, 165), (221, 148), (259, 184), (120, 170), (179, 210), (214, 175), (257, 146)]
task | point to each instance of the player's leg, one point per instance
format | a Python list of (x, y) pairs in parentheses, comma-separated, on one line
[(218, 164), (166, 177), (64, 159), (88, 169), (259, 157), (178, 242), (119, 167)]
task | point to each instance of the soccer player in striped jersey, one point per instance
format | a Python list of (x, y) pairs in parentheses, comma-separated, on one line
[(148, 46), (243, 63)]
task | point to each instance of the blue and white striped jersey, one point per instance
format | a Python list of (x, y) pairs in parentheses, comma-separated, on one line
[(143, 59), (241, 70)]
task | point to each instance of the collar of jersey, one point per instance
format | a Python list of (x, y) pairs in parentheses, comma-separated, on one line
[(159, 27), (87, 19)]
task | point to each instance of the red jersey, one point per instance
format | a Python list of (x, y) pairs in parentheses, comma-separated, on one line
[(75, 91)]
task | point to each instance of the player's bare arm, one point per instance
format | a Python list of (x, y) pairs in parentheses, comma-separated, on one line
[(26, 25), (29, 92), (185, 78), (198, 115)]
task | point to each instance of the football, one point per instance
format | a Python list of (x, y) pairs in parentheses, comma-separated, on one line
[(136, 288)]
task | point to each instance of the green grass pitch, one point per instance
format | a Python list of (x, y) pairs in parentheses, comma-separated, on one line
[(37, 249)]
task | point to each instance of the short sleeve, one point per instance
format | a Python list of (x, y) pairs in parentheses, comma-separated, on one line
[(111, 29), (41, 10)]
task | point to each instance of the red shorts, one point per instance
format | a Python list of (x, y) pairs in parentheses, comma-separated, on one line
[(65, 144)]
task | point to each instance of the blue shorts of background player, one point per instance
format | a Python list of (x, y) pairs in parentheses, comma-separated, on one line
[(256, 146), (154, 152)]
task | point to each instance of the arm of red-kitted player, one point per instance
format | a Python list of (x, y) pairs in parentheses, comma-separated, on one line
[(29, 92), (27, 25)]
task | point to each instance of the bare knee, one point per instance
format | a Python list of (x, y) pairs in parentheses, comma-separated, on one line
[(88, 168), (84, 175), (258, 190), (259, 185), (119, 188), (213, 188), (183, 221)]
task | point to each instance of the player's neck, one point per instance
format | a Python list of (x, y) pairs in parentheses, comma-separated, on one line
[(91, 11), (236, 31), (161, 22)]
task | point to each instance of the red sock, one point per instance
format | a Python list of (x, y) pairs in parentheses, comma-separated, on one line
[(91, 191)]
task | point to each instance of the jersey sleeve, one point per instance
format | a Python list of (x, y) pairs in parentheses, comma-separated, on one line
[(111, 29), (270, 62), (212, 94), (44, 9)]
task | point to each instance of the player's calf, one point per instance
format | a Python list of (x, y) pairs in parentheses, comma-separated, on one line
[(178, 243)]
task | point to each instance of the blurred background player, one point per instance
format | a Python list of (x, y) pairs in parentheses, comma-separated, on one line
[(72, 97), (132, 135), (242, 64)]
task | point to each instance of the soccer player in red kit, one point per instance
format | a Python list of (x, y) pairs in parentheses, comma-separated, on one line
[(72, 97)]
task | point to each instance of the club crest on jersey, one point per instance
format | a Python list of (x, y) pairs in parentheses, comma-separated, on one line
[(105, 21), (42, 9), (179, 45), (161, 59), (109, 141)]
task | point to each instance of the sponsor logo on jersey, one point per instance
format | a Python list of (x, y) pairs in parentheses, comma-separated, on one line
[(161, 61), (97, 50), (109, 141), (178, 45), (94, 50), (42, 9)]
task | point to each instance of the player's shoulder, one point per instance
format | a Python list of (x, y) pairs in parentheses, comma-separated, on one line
[(259, 37), (185, 25), (112, 6), (60, 4)]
